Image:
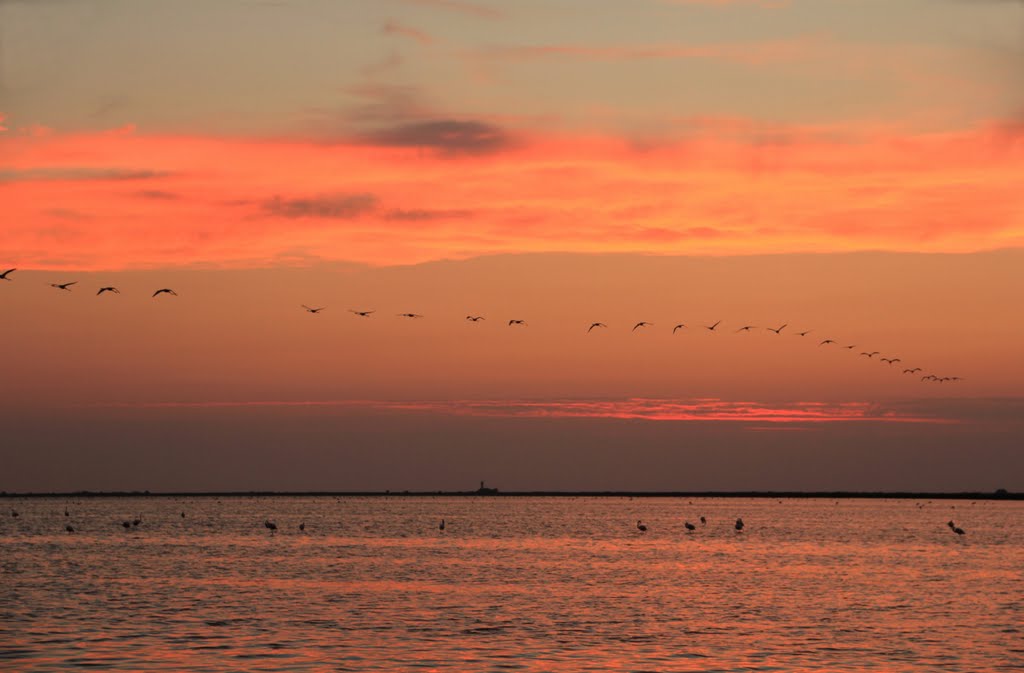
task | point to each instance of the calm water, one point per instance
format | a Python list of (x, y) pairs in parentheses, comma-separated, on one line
[(531, 584)]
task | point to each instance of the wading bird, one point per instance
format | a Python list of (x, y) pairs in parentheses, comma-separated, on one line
[(126, 524), (640, 526), (64, 286), (69, 528), (679, 326), (517, 322), (777, 331), (108, 289), (270, 525), (739, 525), (361, 314), (3, 276), (956, 529), (690, 527), (310, 309), (441, 525), (703, 521), (302, 527), (641, 324), (165, 290), (595, 324)]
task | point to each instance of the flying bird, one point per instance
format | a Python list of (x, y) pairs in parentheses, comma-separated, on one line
[(596, 324), (310, 309), (361, 314), (711, 328), (474, 318), (641, 324), (746, 328), (409, 315), (640, 526), (912, 371), (826, 342), (165, 290), (871, 354), (777, 331), (3, 276), (850, 347), (108, 289), (804, 333), (679, 326), (891, 361), (517, 322), (64, 286)]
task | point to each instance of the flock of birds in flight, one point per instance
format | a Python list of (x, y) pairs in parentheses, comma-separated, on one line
[(515, 322), (271, 526)]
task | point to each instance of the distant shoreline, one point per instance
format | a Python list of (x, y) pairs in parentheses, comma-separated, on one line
[(892, 495)]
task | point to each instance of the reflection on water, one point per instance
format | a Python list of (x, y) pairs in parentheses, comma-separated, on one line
[(530, 584)]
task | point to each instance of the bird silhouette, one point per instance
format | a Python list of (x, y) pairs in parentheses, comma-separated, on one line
[(409, 315), (956, 529), (517, 322), (711, 328), (890, 361), (746, 328), (871, 354), (850, 347), (595, 324), (66, 512), (361, 314), (126, 524), (14, 514), (805, 333), (3, 276), (475, 318), (640, 526), (739, 524), (703, 521), (108, 289), (302, 527), (441, 525), (826, 342), (641, 324), (690, 527), (270, 525), (777, 331), (64, 286), (69, 528), (912, 371), (679, 326), (165, 290), (310, 309)]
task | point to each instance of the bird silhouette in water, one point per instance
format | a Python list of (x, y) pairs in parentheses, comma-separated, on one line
[(66, 512), (956, 529), (826, 342), (703, 521), (5, 274), (69, 528), (641, 324), (475, 318), (165, 290), (270, 525), (517, 322), (409, 315), (690, 527), (310, 309), (182, 515), (137, 520), (912, 371), (711, 328), (739, 525), (871, 354), (777, 331), (108, 289), (640, 526), (302, 527), (14, 514), (64, 286), (126, 524), (595, 324), (746, 328), (678, 327), (362, 314), (804, 333), (441, 525)]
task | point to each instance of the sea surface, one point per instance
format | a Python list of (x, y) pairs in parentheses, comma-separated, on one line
[(511, 584)]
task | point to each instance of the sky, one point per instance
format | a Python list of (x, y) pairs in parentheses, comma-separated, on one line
[(846, 168)]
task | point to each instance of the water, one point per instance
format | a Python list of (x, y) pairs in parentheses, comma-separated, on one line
[(512, 584)]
